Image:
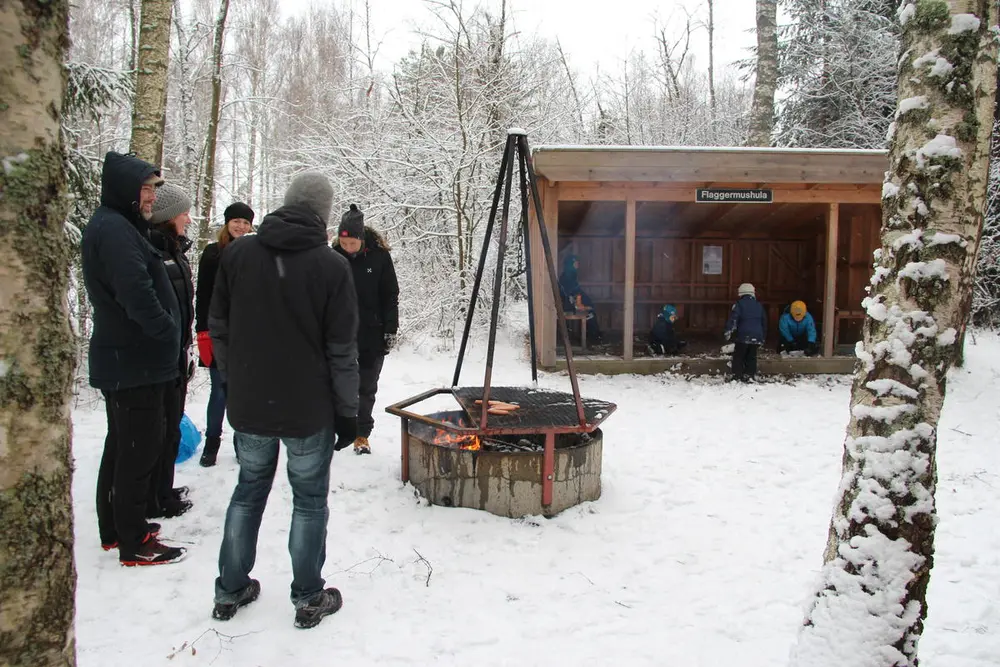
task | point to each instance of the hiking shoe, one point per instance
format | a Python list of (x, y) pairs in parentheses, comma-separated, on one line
[(152, 528), (225, 611), (211, 452), (361, 446), (180, 493), (170, 510), (152, 552), (322, 604)]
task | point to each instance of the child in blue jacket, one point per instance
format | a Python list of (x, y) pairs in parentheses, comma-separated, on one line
[(748, 320), (797, 330), (574, 298), (663, 339)]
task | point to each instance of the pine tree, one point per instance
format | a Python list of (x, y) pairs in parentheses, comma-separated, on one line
[(37, 576), (872, 595), (837, 60)]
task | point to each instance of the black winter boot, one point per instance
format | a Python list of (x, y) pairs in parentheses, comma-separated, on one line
[(211, 452)]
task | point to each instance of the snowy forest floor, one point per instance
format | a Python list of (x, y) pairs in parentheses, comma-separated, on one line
[(702, 550)]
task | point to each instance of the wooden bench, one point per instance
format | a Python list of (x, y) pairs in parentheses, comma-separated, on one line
[(842, 315), (582, 319)]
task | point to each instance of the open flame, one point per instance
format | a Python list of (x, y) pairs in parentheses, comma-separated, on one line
[(457, 440)]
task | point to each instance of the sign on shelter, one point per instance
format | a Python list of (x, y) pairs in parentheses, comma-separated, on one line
[(733, 196)]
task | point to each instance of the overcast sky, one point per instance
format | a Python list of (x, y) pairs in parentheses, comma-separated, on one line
[(592, 32)]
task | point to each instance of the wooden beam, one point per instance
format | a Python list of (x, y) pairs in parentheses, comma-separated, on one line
[(629, 323), (689, 365), (830, 290), (617, 192), (542, 292), (690, 173), (547, 332)]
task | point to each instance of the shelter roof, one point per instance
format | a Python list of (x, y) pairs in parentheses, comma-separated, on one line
[(710, 164)]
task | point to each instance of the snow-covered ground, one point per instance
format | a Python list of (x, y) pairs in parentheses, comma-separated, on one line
[(701, 552)]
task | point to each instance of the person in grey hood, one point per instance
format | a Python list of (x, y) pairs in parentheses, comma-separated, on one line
[(283, 322)]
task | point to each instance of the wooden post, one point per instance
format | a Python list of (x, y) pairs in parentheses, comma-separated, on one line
[(628, 330), (546, 329), (540, 282), (830, 291)]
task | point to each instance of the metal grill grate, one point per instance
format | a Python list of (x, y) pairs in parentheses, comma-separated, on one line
[(540, 409)]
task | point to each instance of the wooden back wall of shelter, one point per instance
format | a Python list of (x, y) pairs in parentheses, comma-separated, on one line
[(778, 248)]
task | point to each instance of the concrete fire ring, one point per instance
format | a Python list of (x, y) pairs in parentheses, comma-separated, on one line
[(507, 484)]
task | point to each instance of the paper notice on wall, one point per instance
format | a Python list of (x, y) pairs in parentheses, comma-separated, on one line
[(711, 260)]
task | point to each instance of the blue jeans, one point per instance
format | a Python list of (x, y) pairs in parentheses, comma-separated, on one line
[(216, 404), (309, 475)]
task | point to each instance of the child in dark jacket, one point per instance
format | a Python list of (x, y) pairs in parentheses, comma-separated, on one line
[(663, 339), (748, 320), (575, 300)]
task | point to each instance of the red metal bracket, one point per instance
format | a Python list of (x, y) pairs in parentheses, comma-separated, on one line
[(405, 450), (548, 467)]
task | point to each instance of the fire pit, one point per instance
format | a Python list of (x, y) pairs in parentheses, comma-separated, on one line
[(512, 451), (536, 461)]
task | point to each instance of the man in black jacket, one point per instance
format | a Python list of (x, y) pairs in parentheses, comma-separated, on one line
[(169, 221), (134, 348), (283, 322), (378, 310)]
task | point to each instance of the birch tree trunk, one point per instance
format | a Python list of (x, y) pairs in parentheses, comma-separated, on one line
[(37, 577), (208, 182), (151, 80), (762, 112), (871, 604), (711, 59), (189, 163)]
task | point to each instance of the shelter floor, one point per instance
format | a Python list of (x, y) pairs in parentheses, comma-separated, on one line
[(704, 354)]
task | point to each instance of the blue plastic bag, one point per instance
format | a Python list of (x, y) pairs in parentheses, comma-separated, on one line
[(190, 439)]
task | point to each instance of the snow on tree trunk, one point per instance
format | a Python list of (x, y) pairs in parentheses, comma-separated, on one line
[(870, 606), (762, 112), (151, 80), (208, 182), (37, 577)]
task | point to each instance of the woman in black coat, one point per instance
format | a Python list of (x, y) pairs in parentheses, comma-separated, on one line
[(239, 221), (169, 222), (378, 310)]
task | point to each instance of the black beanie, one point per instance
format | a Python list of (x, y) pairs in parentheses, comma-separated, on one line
[(238, 210), (352, 224)]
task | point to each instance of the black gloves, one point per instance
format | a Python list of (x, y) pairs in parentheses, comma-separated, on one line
[(346, 429)]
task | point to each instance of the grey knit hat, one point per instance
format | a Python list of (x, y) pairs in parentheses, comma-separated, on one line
[(171, 201), (312, 190)]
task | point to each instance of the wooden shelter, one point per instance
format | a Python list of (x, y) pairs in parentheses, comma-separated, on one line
[(686, 226)]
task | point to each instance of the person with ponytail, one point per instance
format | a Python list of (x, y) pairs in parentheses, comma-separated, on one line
[(239, 221)]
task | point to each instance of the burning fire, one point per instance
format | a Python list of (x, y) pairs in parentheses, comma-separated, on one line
[(457, 440)]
